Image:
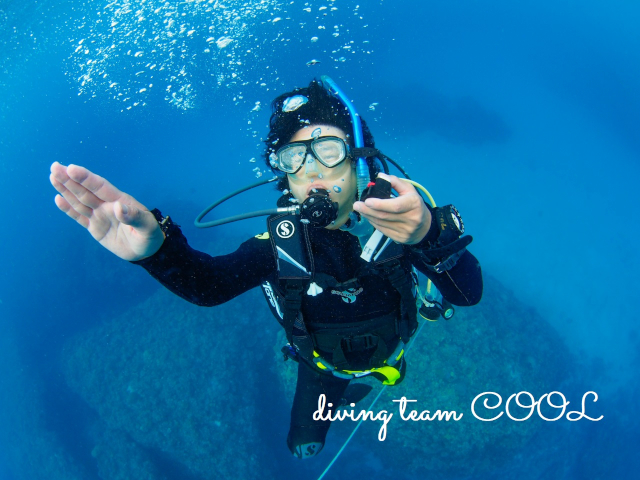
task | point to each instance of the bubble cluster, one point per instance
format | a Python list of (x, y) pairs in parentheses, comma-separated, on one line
[(131, 50), (139, 51)]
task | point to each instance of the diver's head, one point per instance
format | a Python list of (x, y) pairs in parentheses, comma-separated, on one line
[(316, 159), (309, 117), (312, 105)]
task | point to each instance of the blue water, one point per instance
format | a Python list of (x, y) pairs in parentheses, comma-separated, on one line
[(524, 114)]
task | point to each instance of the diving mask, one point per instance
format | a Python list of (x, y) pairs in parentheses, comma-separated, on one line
[(330, 151)]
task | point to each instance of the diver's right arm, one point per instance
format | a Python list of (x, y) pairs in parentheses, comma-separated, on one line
[(115, 219), (205, 280), (128, 229)]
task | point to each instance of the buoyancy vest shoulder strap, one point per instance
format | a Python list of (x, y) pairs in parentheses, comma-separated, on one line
[(395, 272), (293, 291), (291, 248)]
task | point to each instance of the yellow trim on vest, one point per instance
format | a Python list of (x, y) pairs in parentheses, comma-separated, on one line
[(318, 364), (391, 374), (263, 236)]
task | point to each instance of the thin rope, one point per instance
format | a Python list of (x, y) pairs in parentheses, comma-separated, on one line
[(384, 387), (350, 436)]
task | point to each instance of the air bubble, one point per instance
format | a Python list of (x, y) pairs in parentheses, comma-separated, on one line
[(175, 33)]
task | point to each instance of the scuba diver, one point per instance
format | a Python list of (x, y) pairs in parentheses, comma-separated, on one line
[(336, 265)]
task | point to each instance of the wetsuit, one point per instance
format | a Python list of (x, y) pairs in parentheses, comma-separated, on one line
[(205, 280)]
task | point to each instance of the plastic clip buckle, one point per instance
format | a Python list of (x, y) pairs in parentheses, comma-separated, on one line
[(446, 264)]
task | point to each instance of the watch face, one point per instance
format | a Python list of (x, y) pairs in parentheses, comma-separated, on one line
[(457, 220)]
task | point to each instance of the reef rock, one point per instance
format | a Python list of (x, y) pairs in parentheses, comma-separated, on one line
[(174, 389)]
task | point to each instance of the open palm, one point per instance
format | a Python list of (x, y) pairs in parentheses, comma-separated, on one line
[(118, 221)]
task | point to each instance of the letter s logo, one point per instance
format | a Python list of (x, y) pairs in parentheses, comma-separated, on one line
[(285, 229)]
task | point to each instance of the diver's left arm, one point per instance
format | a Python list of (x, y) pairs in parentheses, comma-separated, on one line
[(443, 257)]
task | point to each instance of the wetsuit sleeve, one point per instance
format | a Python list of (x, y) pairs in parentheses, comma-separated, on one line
[(462, 284), (205, 280)]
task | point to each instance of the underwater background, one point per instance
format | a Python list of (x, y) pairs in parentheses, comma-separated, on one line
[(525, 115)]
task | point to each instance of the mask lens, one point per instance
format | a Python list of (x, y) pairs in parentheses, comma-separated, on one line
[(330, 151), (291, 157)]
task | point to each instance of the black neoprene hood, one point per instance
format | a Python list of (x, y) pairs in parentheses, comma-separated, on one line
[(321, 108)]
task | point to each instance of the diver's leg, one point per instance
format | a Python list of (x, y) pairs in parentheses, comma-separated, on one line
[(306, 436)]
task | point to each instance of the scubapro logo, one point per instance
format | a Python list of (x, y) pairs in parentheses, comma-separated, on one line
[(285, 229)]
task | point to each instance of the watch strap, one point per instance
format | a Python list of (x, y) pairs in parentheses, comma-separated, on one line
[(165, 222)]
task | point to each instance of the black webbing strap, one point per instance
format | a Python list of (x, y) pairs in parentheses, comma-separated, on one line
[(401, 281), (444, 258), (293, 290)]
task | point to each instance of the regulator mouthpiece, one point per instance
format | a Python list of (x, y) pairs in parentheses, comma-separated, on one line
[(318, 210)]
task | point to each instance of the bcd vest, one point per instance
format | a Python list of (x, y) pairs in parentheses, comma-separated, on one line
[(380, 340)]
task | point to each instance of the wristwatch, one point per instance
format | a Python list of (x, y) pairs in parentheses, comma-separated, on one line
[(444, 251), (450, 225), (164, 222)]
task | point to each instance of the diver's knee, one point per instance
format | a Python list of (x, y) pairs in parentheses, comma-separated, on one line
[(306, 450)]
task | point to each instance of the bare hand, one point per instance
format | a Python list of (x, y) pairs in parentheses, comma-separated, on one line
[(118, 221), (404, 219)]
